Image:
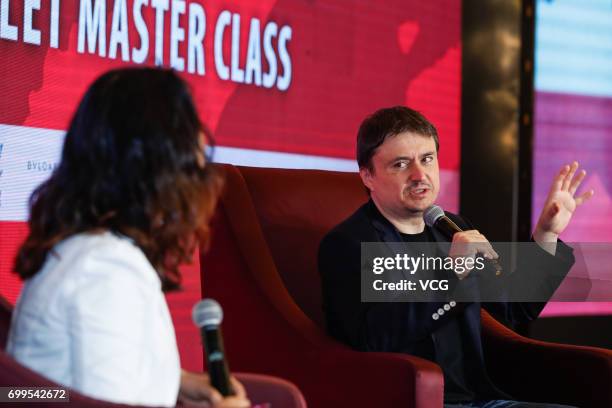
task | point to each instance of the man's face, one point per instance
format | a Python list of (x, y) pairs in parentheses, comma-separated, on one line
[(405, 179)]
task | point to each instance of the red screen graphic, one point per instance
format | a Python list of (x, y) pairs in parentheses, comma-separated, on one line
[(268, 77)]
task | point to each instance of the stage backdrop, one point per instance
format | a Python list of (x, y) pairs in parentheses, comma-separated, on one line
[(573, 117), (280, 83)]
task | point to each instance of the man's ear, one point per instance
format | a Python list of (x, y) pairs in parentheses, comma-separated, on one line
[(366, 177)]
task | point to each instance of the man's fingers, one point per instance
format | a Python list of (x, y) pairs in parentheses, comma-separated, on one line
[(567, 180), (484, 247), (584, 197), (478, 243), (480, 246), (576, 182), (558, 181), (488, 251), (472, 242), (471, 234)]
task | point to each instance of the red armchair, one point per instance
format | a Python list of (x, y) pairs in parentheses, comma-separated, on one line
[(265, 238), (262, 267)]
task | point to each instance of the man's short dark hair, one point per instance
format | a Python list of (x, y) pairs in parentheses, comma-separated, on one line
[(388, 122)]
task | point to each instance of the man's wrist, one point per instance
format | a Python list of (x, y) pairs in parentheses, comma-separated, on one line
[(546, 240)]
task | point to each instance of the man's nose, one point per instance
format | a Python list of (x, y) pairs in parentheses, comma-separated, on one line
[(417, 172)]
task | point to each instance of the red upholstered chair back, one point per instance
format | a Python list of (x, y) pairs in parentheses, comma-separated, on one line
[(262, 268), (296, 208)]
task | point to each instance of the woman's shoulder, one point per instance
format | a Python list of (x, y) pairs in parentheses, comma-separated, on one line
[(101, 256), (85, 272)]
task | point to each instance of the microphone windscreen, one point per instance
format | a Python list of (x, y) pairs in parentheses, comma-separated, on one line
[(207, 312), (432, 214)]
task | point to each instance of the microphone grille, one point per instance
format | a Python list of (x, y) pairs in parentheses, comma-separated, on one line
[(432, 214), (207, 312)]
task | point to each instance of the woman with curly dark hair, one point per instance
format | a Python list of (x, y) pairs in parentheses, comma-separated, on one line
[(128, 203)]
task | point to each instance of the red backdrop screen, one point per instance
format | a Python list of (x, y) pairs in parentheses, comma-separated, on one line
[(280, 83)]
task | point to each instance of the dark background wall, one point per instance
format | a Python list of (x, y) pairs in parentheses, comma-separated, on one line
[(493, 139)]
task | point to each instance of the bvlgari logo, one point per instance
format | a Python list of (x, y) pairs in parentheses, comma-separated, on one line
[(42, 165)]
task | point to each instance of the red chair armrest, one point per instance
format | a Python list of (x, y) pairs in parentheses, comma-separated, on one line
[(276, 391), (542, 371), (415, 382)]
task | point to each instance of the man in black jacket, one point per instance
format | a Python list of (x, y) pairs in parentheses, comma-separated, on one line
[(397, 153)]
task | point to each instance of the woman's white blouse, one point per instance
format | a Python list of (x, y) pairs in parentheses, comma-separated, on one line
[(94, 319)]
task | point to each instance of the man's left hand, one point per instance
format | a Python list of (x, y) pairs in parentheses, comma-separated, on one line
[(560, 206)]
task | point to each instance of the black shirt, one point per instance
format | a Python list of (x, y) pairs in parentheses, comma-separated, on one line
[(448, 345)]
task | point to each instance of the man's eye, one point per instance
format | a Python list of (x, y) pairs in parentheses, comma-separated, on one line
[(427, 159), (400, 165)]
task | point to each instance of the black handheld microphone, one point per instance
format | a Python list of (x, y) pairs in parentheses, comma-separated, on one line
[(435, 218), (207, 315)]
